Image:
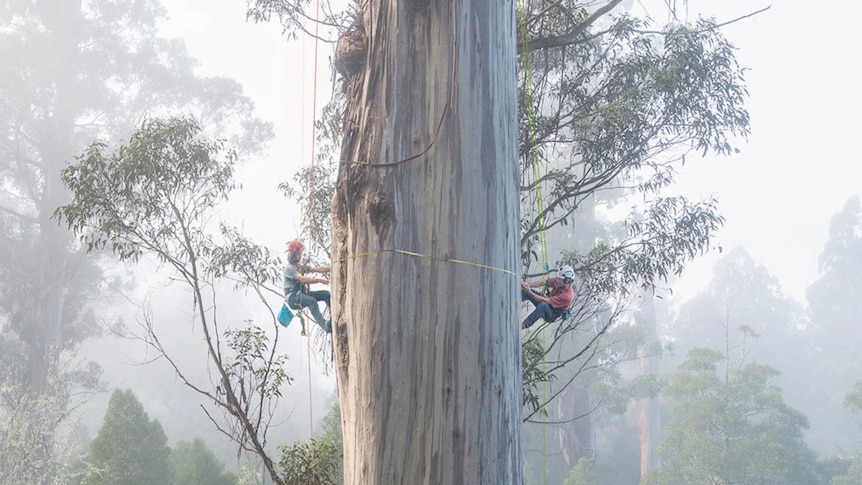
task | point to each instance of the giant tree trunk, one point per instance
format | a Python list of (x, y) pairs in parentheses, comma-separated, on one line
[(425, 251)]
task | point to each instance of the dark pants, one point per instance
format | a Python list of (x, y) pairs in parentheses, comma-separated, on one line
[(299, 300), (542, 310)]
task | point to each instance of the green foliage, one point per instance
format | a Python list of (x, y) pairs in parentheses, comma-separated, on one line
[(853, 475), (292, 16), (148, 194), (742, 301), (246, 262), (618, 107), (835, 310), (534, 375), (331, 426), (732, 429), (72, 72), (27, 427), (313, 186), (583, 474), (313, 189), (155, 196), (256, 371), (195, 464), (608, 109), (129, 449), (853, 401), (317, 461)]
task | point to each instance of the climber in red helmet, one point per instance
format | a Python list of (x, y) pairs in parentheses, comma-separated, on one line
[(297, 279)]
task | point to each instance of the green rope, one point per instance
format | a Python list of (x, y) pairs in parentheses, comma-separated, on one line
[(534, 156)]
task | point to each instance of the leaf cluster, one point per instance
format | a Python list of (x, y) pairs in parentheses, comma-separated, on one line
[(150, 194), (316, 461), (294, 17), (258, 374)]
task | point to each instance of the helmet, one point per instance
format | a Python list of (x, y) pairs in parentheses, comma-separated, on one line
[(567, 273), (294, 247)]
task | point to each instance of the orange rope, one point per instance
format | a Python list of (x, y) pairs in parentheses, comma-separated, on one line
[(310, 207)]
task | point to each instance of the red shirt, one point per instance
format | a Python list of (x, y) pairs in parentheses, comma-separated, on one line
[(561, 296)]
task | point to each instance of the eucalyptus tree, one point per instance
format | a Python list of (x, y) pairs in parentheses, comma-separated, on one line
[(834, 306), (610, 108), (155, 197), (73, 71), (603, 104), (425, 245)]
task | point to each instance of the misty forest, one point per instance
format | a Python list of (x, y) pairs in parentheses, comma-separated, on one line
[(459, 148)]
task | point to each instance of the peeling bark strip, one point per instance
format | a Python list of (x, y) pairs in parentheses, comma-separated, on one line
[(428, 352)]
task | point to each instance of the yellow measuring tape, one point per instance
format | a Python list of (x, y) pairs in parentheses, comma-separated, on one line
[(427, 256)]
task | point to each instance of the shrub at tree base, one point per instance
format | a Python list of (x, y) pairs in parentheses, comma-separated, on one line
[(317, 461)]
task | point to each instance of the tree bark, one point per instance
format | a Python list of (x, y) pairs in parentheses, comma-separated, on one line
[(425, 250)]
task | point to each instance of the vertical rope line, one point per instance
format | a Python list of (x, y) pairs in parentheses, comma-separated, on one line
[(300, 314), (534, 157), (310, 209)]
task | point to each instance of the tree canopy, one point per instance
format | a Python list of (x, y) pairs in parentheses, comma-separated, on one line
[(732, 427), (195, 464), (130, 449), (154, 196), (72, 72)]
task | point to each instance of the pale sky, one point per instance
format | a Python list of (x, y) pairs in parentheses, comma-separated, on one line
[(800, 163)]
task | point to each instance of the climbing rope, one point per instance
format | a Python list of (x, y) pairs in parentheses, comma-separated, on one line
[(534, 158), (301, 312)]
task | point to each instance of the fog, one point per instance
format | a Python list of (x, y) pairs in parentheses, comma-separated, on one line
[(792, 180)]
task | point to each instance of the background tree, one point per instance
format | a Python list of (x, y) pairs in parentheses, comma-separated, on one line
[(130, 449), (744, 307), (155, 196), (832, 298), (835, 312), (70, 72), (195, 464), (583, 474), (853, 473), (732, 426)]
